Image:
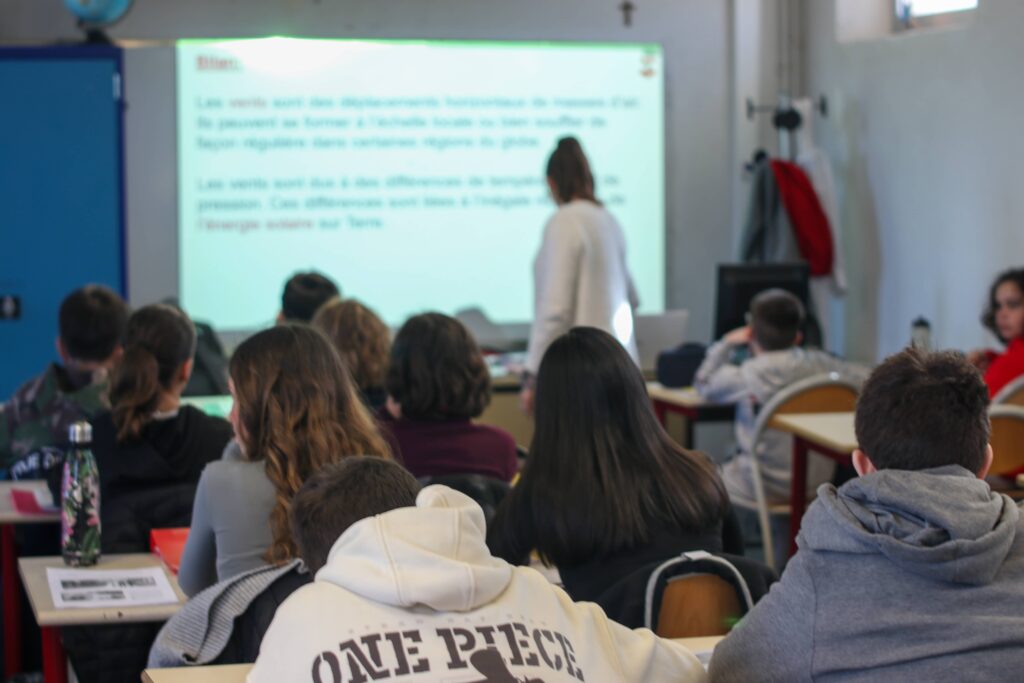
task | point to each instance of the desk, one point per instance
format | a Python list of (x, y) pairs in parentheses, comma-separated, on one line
[(688, 403), (236, 673), (226, 673), (9, 568), (831, 435), (504, 412), (50, 619)]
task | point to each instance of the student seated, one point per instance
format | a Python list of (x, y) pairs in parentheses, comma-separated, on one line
[(1004, 317), (303, 294), (412, 593), (149, 451), (915, 570), (363, 340), (36, 418), (605, 491), (777, 362), (437, 383), (295, 410)]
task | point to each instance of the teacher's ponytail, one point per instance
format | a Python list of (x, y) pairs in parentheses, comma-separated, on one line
[(158, 341), (569, 171)]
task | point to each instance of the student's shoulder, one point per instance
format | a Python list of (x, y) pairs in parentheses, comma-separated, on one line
[(208, 429), (221, 474), (496, 434)]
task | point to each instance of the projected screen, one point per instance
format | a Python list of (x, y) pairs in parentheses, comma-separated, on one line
[(412, 173)]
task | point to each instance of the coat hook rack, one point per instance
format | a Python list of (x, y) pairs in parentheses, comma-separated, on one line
[(780, 113)]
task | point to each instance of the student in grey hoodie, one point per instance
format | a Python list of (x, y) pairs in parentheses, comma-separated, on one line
[(915, 570), (777, 361)]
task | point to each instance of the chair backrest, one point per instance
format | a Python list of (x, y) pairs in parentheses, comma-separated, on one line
[(1012, 394), (698, 605), (828, 392), (1007, 438), (696, 594)]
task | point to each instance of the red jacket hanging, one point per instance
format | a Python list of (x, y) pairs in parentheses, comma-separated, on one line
[(810, 225)]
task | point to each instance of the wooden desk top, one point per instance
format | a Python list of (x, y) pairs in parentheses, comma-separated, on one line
[(228, 673), (831, 430), (686, 397), (702, 644), (8, 515), (33, 576)]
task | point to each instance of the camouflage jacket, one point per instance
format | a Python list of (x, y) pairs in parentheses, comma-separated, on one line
[(40, 412)]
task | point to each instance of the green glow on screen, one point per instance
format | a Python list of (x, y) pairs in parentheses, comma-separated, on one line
[(410, 171)]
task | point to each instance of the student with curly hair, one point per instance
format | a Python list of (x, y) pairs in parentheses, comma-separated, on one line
[(363, 340)]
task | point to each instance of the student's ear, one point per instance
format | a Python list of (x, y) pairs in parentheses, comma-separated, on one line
[(553, 189), (862, 463), (798, 339), (989, 454), (62, 352), (114, 357), (279, 320), (185, 372), (394, 408)]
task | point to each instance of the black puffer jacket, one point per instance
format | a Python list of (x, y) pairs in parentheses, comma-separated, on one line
[(251, 626), (144, 484)]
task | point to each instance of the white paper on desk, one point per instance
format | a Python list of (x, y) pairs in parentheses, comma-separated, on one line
[(71, 588)]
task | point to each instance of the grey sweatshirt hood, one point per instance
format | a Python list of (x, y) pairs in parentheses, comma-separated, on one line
[(944, 524)]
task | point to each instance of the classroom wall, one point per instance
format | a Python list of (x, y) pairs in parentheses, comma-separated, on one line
[(702, 92), (924, 137)]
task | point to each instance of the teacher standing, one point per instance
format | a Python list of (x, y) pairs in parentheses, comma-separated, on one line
[(580, 276)]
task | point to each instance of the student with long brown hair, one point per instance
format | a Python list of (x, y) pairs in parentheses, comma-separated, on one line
[(295, 410), (605, 491), (580, 275)]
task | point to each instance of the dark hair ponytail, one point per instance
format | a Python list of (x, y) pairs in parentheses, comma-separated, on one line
[(569, 170), (158, 341)]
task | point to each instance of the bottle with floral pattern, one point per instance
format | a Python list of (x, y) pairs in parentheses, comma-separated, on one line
[(80, 500)]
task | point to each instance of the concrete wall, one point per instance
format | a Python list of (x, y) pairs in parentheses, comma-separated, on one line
[(702, 93), (924, 136)]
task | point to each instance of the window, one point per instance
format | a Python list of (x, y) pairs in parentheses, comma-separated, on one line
[(914, 13), (927, 8)]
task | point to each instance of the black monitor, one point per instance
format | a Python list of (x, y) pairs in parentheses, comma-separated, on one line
[(739, 283)]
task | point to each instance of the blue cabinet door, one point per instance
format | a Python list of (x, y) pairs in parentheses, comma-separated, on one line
[(61, 197)]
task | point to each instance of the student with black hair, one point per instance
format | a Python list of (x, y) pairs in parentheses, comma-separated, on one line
[(580, 275), (437, 382), (406, 589), (605, 491), (777, 361), (914, 571), (150, 450), (36, 418), (303, 294)]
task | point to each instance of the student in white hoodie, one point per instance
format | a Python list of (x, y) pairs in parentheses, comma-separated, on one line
[(413, 594)]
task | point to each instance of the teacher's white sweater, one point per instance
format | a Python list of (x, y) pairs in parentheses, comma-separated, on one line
[(580, 277), (414, 595)]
